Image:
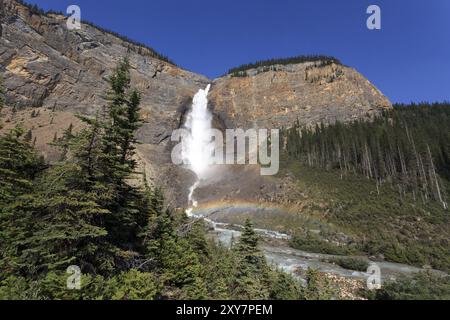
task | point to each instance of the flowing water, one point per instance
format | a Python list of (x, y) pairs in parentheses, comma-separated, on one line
[(198, 149), (293, 260)]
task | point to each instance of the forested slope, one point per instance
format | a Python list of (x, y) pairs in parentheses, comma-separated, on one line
[(384, 183)]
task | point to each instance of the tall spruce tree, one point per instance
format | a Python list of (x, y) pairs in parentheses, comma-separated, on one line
[(121, 124), (251, 273), (118, 163), (64, 216), (248, 249), (19, 165), (171, 255)]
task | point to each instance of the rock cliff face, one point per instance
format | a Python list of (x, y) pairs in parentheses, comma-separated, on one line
[(61, 73), (311, 92), (46, 65)]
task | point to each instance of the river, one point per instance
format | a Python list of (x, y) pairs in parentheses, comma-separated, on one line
[(279, 254)]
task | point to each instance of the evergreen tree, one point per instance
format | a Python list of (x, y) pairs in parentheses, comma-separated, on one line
[(252, 277), (122, 123), (318, 287), (247, 248), (134, 285), (284, 287), (63, 143), (28, 136), (117, 157), (60, 224), (219, 271), (19, 165), (177, 263)]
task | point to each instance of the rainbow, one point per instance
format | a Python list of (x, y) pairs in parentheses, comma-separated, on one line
[(209, 208), (239, 204)]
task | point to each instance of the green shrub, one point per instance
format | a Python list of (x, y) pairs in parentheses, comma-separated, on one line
[(313, 243), (356, 264), (318, 287), (134, 285)]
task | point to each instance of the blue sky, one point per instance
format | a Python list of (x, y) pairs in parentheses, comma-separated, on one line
[(408, 59)]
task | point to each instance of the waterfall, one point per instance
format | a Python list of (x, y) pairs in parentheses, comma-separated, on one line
[(198, 150)]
